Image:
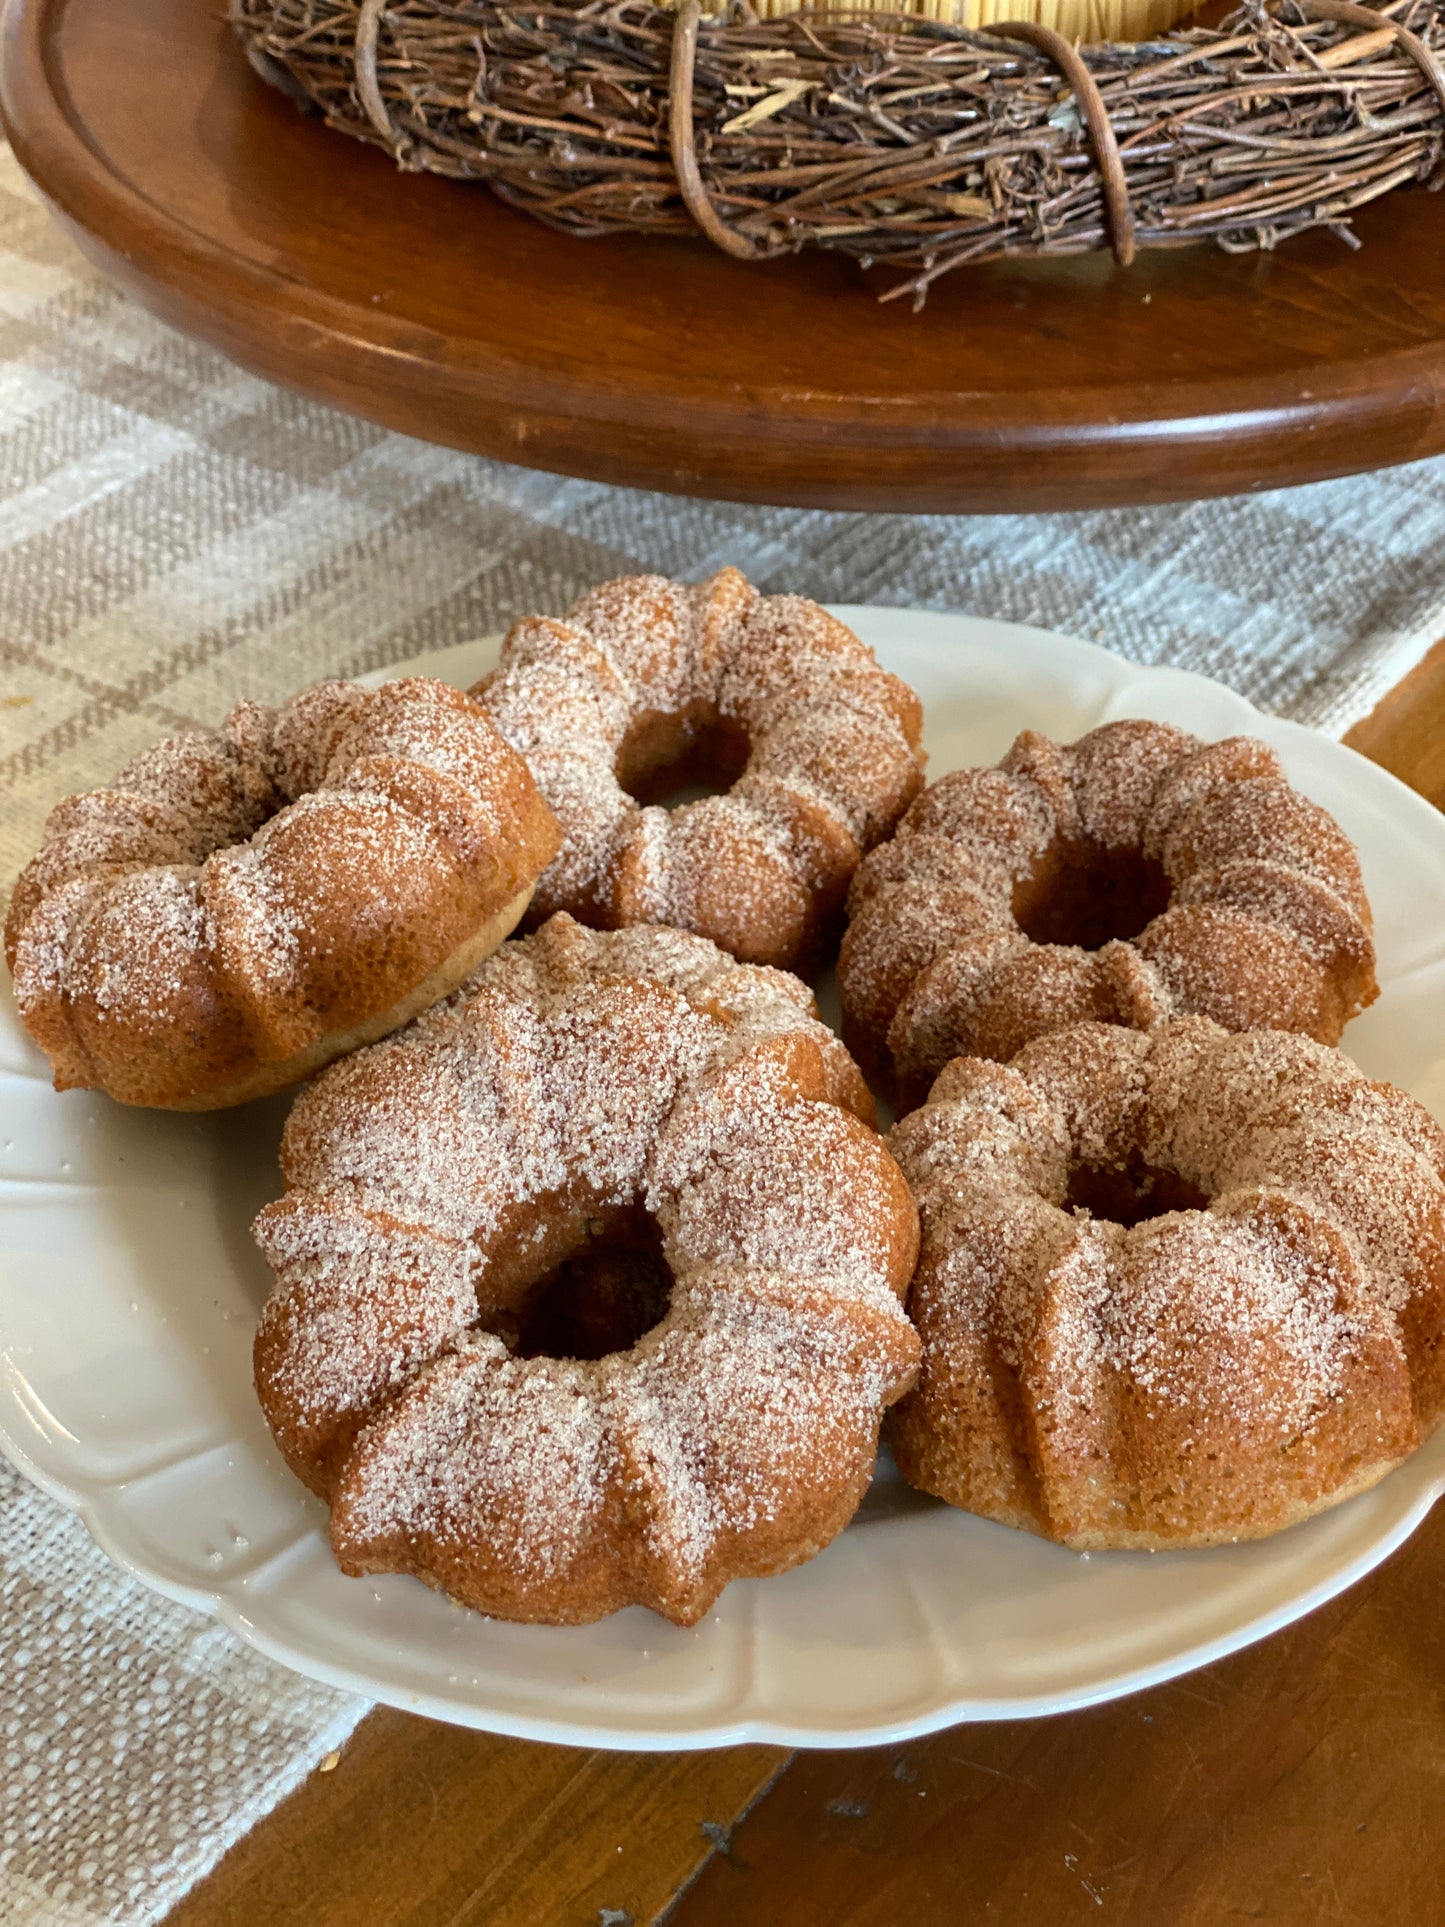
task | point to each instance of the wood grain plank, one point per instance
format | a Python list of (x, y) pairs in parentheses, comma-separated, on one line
[(1302, 1780), (423, 1825), (1405, 732)]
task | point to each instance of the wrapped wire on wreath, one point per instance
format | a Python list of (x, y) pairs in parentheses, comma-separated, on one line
[(895, 138)]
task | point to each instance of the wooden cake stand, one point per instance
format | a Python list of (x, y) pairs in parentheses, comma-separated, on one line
[(430, 307)]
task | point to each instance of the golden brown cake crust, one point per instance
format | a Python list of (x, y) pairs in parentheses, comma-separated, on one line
[(1175, 1288), (648, 685), (236, 909), (637, 1094), (1131, 876)]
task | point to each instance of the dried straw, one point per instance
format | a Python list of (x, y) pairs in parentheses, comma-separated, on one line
[(898, 139)]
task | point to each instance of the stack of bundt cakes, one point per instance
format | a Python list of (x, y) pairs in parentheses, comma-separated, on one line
[(594, 1283)]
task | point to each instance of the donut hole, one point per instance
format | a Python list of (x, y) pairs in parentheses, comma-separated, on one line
[(1131, 1195), (601, 1299), (675, 758), (1087, 897)]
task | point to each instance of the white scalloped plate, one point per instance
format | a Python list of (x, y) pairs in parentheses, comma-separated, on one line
[(129, 1289)]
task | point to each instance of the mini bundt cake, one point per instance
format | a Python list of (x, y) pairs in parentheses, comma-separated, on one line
[(589, 1283), (647, 686), (1134, 875), (1176, 1287), (234, 910)]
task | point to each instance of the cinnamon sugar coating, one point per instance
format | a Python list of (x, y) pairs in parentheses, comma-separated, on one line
[(1131, 876), (622, 1101), (234, 909), (1265, 1344), (649, 685)]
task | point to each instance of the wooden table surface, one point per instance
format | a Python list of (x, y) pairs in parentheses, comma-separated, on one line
[(1300, 1780)]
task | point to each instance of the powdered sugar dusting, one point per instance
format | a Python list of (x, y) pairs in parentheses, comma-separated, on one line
[(642, 670), (161, 910), (366, 1301), (461, 1457), (757, 1187), (1222, 1317), (1265, 925), (721, 1431), (1169, 1363), (250, 891), (1259, 819), (579, 1074)]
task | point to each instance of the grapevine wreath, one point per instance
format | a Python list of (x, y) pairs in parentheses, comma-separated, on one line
[(900, 139)]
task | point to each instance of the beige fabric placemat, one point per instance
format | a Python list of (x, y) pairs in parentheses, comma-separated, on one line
[(174, 535)]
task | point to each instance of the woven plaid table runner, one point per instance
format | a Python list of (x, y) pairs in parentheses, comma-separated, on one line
[(174, 535)]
